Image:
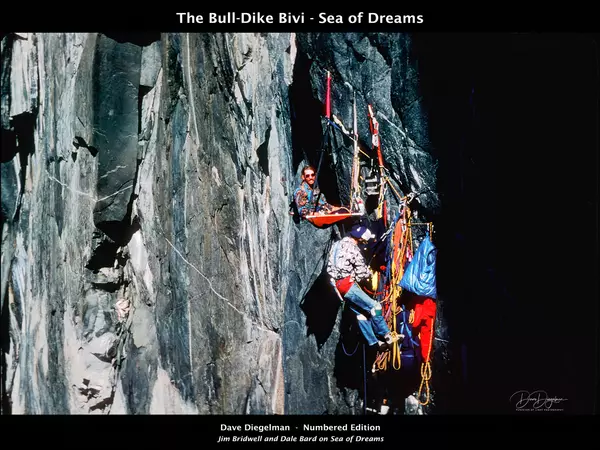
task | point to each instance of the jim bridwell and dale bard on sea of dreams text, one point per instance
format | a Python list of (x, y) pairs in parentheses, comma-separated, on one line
[(305, 427)]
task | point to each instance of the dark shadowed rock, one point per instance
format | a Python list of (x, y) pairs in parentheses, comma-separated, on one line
[(116, 80)]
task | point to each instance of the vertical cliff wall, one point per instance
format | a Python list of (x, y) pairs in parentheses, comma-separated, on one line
[(149, 262)]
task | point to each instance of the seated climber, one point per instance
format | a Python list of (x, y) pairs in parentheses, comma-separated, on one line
[(306, 197), (348, 269)]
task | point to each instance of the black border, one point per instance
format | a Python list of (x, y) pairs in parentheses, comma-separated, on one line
[(444, 17), (206, 430)]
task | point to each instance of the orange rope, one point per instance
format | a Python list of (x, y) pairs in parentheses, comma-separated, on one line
[(371, 292), (400, 240)]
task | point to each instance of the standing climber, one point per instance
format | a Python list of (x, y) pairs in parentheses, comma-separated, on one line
[(306, 196), (348, 269)]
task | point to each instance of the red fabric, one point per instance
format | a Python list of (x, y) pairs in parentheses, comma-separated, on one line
[(343, 285), (424, 315)]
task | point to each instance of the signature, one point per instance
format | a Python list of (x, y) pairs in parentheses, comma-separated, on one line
[(538, 400)]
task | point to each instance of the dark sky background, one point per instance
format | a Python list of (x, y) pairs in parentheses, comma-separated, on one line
[(514, 121)]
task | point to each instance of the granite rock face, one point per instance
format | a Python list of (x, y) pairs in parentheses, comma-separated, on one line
[(149, 261)]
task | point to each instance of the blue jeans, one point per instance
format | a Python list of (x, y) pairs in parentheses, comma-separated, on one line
[(368, 313)]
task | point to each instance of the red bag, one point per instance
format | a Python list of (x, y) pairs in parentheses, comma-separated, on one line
[(343, 285), (425, 309)]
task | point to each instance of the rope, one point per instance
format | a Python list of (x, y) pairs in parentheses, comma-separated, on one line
[(371, 293), (395, 262), (341, 299), (426, 369), (325, 137), (353, 352), (354, 187), (365, 381), (426, 366), (398, 196), (389, 290), (358, 148)]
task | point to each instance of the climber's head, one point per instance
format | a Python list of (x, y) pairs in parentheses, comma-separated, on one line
[(361, 233), (308, 175)]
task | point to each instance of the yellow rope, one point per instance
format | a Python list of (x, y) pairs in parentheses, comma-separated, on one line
[(395, 291), (397, 271), (374, 281), (412, 247), (382, 190), (426, 368), (394, 189)]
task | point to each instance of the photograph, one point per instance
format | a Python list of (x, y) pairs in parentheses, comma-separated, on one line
[(299, 223)]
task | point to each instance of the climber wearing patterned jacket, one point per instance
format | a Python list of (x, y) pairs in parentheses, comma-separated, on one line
[(306, 195), (348, 269)]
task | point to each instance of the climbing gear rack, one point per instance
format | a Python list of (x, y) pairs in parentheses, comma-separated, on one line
[(369, 179)]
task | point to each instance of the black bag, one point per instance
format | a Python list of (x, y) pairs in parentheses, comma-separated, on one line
[(410, 354)]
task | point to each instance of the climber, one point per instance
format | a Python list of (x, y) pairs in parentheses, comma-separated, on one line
[(306, 197), (348, 269)]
